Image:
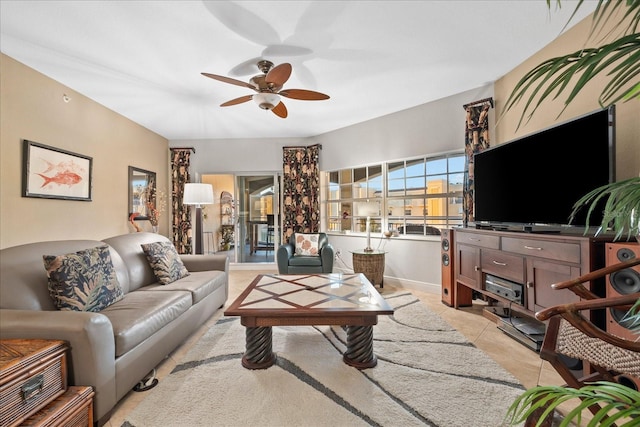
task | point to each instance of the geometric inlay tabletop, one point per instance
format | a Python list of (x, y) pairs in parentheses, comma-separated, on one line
[(308, 293)]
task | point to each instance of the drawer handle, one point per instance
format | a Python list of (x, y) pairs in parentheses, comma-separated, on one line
[(32, 387), (529, 285), (476, 268), (503, 264), (533, 248), (474, 240)]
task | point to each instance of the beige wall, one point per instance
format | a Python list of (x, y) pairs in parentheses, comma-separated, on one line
[(627, 114), (32, 108)]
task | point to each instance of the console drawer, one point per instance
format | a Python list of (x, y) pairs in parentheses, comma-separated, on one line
[(503, 265), (72, 409), (476, 239), (32, 373), (558, 251)]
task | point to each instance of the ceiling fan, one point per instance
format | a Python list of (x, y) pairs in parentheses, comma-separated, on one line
[(268, 86)]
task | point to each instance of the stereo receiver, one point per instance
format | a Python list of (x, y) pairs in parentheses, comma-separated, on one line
[(505, 288)]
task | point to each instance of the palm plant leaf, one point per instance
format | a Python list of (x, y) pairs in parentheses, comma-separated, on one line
[(621, 209), (619, 59), (617, 402)]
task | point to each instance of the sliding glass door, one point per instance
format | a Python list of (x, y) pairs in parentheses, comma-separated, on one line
[(244, 220)]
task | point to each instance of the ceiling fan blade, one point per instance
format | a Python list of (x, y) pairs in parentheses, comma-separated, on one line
[(303, 94), (228, 80), (280, 110), (237, 101), (279, 74)]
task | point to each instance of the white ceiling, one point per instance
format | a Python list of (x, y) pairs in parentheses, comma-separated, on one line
[(143, 59)]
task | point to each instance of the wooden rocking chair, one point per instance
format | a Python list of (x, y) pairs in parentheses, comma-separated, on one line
[(572, 334)]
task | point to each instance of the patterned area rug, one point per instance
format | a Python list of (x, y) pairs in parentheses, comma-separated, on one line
[(427, 374)]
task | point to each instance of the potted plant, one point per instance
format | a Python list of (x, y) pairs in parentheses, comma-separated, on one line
[(622, 199)]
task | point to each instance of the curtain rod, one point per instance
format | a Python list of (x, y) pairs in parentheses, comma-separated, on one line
[(183, 149), (302, 146), (481, 101)]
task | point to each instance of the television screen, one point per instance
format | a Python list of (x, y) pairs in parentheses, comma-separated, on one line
[(537, 179)]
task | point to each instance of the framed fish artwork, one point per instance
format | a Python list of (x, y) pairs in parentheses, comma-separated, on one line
[(53, 173)]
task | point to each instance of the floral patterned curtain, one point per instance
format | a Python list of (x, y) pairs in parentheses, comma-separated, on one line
[(300, 190), (181, 214), (476, 139)]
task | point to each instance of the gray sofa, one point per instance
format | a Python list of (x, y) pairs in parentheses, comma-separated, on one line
[(111, 350)]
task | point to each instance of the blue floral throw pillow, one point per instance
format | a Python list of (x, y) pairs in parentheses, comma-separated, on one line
[(83, 281), (165, 262)]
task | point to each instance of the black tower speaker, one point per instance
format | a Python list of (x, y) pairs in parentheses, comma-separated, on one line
[(622, 282)]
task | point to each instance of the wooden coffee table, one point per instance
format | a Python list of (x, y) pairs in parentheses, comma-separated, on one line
[(318, 299)]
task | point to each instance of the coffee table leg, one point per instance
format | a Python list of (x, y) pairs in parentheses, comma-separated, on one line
[(258, 354), (359, 352)]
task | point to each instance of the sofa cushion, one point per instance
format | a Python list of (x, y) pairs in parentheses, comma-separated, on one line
[(307, 244), (141, 314), (83, 281), (199, 283), (165, 261)]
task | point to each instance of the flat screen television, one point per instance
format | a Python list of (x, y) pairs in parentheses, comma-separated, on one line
[(533, 182)]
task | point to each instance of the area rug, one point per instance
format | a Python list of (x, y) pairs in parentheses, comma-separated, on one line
[(427, 374)]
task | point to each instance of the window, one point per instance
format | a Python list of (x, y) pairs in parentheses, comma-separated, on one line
[(417, 196)]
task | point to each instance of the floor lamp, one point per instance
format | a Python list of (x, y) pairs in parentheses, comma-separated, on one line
[(198, 195)]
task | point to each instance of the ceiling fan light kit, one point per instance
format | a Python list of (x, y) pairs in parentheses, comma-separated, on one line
[(266, 100), (269, 88)]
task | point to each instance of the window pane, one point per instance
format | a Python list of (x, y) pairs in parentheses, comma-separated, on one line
[(456, 181), (395, 207), (375, 181), (415, 208), (334, 191), (415, 168), (334, 209), (375, 187), (333, 178), (415, 185), (395, 170), (456, 164), (437, 184), (360, 175), (395, 187), (436, 166), (345, 176), (345, 191), (437, 206), (454, 207)]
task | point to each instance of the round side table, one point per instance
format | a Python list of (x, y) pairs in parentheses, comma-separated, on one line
[(371, 264)]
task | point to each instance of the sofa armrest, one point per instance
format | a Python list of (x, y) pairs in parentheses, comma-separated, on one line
[(91, 359), (206, 262)]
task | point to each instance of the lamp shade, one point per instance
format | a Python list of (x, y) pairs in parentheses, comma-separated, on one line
[(198, 194), (368, 209)]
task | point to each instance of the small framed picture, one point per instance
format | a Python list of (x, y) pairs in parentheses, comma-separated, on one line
[(53, 173)]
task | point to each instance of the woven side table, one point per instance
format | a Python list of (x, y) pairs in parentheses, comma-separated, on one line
[(371, 264)]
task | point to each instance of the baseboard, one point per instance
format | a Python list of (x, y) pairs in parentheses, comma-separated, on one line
[(431, 288)]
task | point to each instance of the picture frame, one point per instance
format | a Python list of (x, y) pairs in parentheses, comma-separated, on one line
[(53, 173), (142, 183)]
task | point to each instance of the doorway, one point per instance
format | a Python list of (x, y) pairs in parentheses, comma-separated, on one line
[(246, 225)]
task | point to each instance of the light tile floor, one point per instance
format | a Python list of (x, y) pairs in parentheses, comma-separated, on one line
[(516, 358)]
